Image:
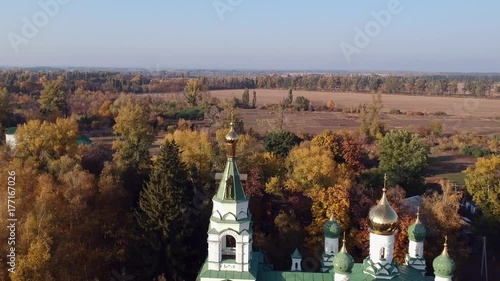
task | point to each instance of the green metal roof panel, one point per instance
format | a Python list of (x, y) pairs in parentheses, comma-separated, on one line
[(406, 274), (83, 140), (230, 188), (258, 273), (11, 131)]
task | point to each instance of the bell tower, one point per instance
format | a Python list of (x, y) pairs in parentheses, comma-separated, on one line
[(230, 233)]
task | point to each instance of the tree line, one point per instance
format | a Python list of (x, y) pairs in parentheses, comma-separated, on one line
[(476, 85)]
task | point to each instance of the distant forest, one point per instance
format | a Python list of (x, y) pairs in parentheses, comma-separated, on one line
[(472, 85)]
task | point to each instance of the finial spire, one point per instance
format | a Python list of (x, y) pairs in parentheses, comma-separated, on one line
[(445, 250), (385, 183), (343, 249), (418, 215)]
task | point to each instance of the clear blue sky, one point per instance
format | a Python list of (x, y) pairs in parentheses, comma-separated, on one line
[(427, 35)]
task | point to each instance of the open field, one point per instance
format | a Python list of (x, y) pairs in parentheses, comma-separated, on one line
[(458, 107), (465, 115), (263, 121)]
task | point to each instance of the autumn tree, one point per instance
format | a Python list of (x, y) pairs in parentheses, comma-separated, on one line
[(371, 125), (164, 213), (483, 183), (254, 98), (440, 215), (343, 148), (404, 156), (197, 152), (6, 114), (245, 98), (192, 91), (134, 137), (53, 98), (43, 142)]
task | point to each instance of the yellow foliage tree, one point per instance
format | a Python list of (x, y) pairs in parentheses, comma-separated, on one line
[(43, 142), (483, 183), (309, 166), (196, 150)]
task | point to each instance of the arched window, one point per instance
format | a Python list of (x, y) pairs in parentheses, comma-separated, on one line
[(228, 247), (382, 254), (230, 241)]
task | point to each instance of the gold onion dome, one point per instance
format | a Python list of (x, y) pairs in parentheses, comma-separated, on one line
[(382, 218), (232, 136)]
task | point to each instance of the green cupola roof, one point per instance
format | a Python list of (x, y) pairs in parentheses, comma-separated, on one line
[(11, 131), (296, 254), (416, 231), (444, 266), (343, 261), (332, 229), (230, 187)]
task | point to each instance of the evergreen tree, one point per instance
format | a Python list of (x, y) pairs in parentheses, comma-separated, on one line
[(280, 143), (164, 211), (254, 99)]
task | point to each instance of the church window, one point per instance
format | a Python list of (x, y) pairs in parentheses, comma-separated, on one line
[(382, 254)]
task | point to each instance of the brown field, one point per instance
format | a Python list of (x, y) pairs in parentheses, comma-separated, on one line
[(460, 107), (465, 115)]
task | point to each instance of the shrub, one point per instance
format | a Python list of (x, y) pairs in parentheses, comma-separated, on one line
[(436, 128), (330, 104), (302, 104), (414, 113), (439, 113), (395, 111), (476, 151), (191, 114)]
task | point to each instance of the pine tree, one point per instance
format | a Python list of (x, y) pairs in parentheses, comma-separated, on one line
[(164, 211)]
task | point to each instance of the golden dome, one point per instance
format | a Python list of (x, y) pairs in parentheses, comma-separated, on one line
[(383, 219), (232, 136)]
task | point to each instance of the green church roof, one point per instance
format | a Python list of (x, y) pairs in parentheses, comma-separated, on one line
[(343, 261), (416, 231), (332, 229), (230, 188), (83, 140), (444, 265), (11, 131), (406, 273), (296, 254)]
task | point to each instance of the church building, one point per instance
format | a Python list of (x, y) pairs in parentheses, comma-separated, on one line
[(230, 254)]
